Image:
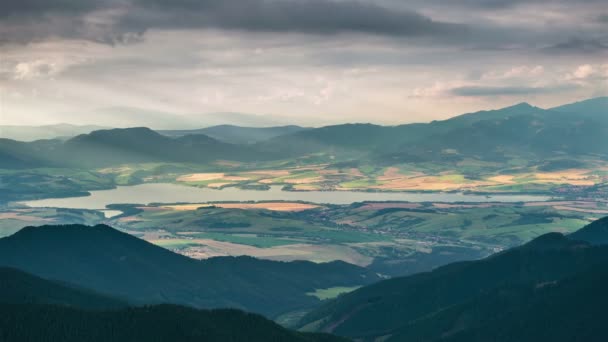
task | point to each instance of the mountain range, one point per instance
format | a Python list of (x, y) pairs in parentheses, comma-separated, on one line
[(520, 131)]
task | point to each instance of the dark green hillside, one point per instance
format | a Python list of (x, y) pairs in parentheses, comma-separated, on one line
[(39, 323), (346, 139), (133, 145), (120, 146), (17, 287), (520, 131), (596, 233), (34, 309), (20, 155), (572, 309), (390, 305), (118, 264)]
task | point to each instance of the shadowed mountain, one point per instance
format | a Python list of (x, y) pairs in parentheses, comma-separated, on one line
[(393, 306), (121, 265), (34, 309), (162, 323), (595, 233), (17, 287), (116, 146), (570, 309), (237, 134), (120, 146)]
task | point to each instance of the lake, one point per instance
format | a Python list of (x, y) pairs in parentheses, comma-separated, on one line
[(173, 193)]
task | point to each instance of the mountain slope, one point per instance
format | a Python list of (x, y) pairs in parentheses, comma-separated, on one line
[(596, 107), (34, 309), (38, 323), (521, 130), (571, 309), (140, 144), (237, 134), (118, 264), (595, 233), (17, 287), (385, 307)]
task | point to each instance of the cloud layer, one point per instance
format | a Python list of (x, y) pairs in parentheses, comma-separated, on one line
[(304, 61), (120, 21)]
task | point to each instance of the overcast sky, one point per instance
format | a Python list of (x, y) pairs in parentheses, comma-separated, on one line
[(167, 64)]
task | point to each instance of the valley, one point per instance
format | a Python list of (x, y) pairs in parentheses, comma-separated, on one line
[(303, 171), (275, 205), (389, 237)]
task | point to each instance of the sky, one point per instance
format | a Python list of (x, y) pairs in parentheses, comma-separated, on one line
[(186, 63)]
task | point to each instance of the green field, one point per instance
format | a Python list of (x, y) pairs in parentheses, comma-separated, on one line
[(332, 292)]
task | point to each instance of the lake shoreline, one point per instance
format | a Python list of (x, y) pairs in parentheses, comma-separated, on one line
[(167, 193)]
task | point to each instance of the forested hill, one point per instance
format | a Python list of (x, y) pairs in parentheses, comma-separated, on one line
[(121, 265), (430, 306)]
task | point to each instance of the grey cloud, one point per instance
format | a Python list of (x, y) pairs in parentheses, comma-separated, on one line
[(23, 21), (578, 45), (603, 18), (482, 91), (308, 16), (34, 8), (506, 4)]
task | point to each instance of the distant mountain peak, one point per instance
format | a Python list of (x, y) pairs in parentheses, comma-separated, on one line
[(523, 105)]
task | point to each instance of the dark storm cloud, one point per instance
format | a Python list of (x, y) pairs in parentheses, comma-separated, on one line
[(482, 91), (27, 20), (39, 7), (578, 45), (307, 16)]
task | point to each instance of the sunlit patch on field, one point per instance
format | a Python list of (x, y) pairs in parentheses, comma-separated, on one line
[(197, 177)]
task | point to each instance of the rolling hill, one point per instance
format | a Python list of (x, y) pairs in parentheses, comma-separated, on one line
[(595, 233), (140, 144), (162, 323), (34, 309), (120, 146), (120, 265), (407, 306), (570, 309), (18, 287)]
